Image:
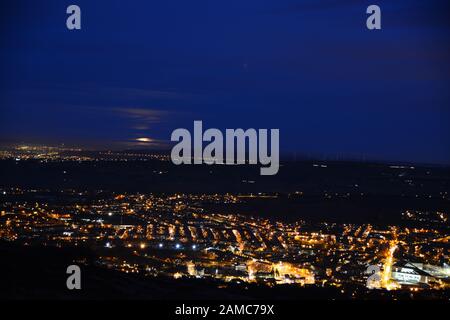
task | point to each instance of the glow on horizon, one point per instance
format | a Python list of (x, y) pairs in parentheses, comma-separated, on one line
[(144, 139)]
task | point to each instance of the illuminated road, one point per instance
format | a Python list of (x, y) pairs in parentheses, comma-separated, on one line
[(386, 281)]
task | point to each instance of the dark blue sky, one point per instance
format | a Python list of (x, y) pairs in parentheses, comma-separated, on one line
[(308, 67)]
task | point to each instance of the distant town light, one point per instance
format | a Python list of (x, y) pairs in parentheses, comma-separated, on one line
[(177, 246), (160, 245)]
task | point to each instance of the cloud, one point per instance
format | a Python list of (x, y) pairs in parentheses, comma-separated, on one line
[(142, 120), (139, 93), (141, 115)]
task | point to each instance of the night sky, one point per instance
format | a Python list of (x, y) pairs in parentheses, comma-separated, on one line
[(308, 67)]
